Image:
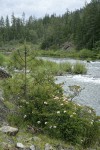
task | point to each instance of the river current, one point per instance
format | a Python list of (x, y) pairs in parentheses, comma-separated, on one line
[(90, 83)]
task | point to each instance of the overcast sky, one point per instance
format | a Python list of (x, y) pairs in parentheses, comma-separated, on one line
[(39, 8)]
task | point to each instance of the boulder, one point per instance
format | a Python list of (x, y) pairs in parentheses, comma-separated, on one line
[(32, 147), (4, 74), (68, 46), (48, 147), (59, 147), (9, 130), (20, 146)]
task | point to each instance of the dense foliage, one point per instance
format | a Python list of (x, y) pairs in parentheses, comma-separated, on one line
[(81, 27)]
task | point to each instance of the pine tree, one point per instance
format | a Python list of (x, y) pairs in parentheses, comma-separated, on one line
[(7, 25)]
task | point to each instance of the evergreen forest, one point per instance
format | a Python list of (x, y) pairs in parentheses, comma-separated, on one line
[(80, 28)]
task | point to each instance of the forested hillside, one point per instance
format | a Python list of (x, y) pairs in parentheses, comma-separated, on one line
[(80, 28)]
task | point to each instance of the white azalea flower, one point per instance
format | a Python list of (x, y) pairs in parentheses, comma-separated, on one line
[(45, 103), (62, 104), (38, 122), (56, 98), (74, 113), (64, 99), (58, 112), (71, 115), (91, 122), (78, 104), (45, 122), (64, 111), (90, 111), (27, 102), (25, 116)]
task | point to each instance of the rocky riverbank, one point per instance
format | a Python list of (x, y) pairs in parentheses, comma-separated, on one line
[(14, 139)]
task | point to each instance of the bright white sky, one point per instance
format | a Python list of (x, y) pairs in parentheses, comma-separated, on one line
[(39, 8)]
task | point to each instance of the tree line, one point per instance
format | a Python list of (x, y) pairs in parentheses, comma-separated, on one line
[(80, 27)]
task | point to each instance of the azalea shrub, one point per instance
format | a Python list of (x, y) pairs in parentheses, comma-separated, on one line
[(63, 119)]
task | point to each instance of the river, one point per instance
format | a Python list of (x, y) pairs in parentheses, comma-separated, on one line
[(90, 83)]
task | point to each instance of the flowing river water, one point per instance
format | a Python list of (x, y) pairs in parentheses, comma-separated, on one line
[(90, 83)]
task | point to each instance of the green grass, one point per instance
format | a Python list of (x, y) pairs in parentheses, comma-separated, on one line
[(57, 53), (83, 54), (79, 68), (57, 68)]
